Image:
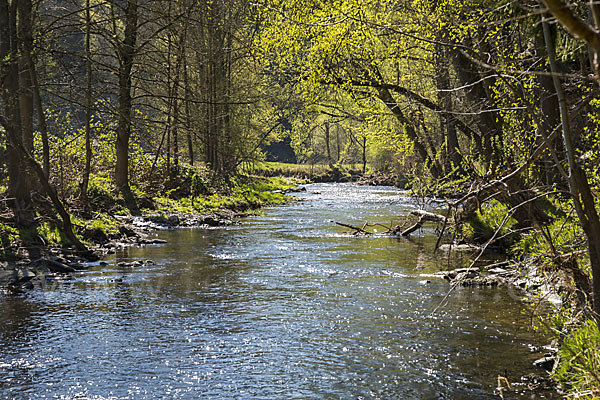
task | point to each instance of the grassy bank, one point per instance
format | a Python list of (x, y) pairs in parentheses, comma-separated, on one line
[(556, 255), (191, 200)]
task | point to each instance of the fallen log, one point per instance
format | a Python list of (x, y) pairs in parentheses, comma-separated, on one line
[(426, 216)]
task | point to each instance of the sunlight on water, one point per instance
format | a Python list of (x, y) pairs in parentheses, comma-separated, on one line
[(284, 305)]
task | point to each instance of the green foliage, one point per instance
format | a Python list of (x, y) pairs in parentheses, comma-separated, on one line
[(8, 237), (301, 173), (101, 220), (561, 236), (493, 220), (579, 369), (240, 195), (46, 233)]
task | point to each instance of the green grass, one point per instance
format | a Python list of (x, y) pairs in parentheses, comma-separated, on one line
[(243, 194), (579, 368), (302, 170)]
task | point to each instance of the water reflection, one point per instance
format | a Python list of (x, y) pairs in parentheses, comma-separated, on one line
[(283, 305)]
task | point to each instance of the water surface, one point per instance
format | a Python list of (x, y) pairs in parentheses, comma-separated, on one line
[(282, 306)]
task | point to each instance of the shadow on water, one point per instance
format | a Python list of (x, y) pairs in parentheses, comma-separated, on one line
[(284, 305)]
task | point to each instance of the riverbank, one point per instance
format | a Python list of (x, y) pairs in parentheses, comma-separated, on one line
[(31, 257), (323, 173)]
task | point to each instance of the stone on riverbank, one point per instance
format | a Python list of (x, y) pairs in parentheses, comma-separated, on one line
[(474, 277)]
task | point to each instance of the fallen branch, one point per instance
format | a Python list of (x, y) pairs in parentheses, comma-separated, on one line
[(414, 227), (355, 228)]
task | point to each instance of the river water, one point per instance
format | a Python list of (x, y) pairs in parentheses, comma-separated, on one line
[(282, 306)]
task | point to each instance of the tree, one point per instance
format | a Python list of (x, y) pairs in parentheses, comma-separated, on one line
[(579, 183), (125, 48)]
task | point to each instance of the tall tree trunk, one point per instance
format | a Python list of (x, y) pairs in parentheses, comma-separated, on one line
[(489, 122), (126, 53), (337, 143), (37, 97), (175, 119), (327, 146), (188, 115), (583, 199), (447, 121), (18, 189), (88, 107), (25, 35), (364, 155), (549, 107)]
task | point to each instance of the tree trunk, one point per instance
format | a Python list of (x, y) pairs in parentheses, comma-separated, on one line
[(25, 45), (583, 199), (364, 155), (18, 189), (126, 52), (327, 146), (188, 115), (550, 110), (489, 125), (88, 107), (37, 97), (453, 160)]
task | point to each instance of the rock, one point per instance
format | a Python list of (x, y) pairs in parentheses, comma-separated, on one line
[(38, 282), (453, 274), (128, 231), (151, 241), (25, 275), (546, 363), (8, 278), (149, 262), (53, 265), (173, 219), (126, 219), (213, 221), (122, 264), (424, 282), (463, 273), (24, 262), (103, 263), (95, 235), (158, 219), (522, 283), (26, 285), (293, 190)]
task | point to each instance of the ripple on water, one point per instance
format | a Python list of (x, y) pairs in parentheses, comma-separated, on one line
[(281, 306)]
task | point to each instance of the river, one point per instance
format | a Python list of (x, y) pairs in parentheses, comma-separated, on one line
[(282, 306)]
